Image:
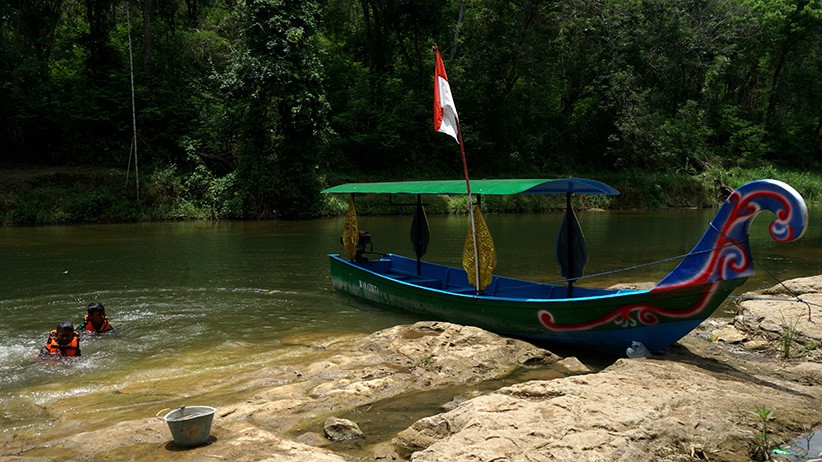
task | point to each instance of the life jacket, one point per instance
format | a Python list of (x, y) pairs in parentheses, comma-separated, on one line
[(87, 325), (55, 349)]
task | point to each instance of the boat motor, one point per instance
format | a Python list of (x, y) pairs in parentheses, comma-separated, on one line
[(364, 245)]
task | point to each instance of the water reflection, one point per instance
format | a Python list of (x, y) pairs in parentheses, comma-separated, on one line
[(807, 447)]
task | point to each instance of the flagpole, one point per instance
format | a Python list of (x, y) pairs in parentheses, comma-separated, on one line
[(470, 211), (438, 119)]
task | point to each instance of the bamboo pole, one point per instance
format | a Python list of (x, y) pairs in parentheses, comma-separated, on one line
[(133, 108)]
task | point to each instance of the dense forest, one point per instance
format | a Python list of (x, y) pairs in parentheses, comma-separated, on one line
[(252, 106)]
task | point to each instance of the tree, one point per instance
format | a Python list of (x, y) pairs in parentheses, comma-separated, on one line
[(27, 38), (277, 77), (379, 52), (793, 32)]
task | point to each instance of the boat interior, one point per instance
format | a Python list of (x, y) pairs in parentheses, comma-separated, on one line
[(454, 280)]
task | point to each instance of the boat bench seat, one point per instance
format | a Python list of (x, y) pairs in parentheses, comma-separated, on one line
[(463, 290), (414, 279), (430, 283)]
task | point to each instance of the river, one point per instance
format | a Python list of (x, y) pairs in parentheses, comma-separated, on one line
[(198, 303)]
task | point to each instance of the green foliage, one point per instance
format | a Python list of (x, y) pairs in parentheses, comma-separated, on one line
[(686, 135), (164, 188), (277, 80), (218, 195), (642, 189), (788, 337), (747, 141), (763, 442), (807, 182), (73, 205), (262, 102), (197, 194)]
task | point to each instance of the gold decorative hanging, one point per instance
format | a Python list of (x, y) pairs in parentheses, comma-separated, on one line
[(485, 249), (351, 231)]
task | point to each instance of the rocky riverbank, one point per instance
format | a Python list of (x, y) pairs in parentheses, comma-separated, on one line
[(694, 402)]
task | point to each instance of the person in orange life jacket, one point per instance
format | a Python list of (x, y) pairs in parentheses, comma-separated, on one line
[(62, 341), (96, 320)]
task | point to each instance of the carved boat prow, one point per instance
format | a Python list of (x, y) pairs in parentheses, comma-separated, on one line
[(724, 252)]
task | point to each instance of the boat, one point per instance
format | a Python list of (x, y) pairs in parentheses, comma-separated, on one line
[(607, 320)]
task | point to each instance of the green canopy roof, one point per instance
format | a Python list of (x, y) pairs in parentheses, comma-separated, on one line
[(498, 187)]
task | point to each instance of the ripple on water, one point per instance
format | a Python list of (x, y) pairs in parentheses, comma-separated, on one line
[(44, 398), (13, 361)]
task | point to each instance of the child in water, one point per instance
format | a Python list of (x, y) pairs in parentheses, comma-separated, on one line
[(62, 341), (96, 320)]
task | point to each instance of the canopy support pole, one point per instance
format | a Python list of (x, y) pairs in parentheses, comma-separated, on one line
[(570, 261), (419, 235)]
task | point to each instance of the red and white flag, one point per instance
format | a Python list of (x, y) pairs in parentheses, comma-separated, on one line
[(445, 112)]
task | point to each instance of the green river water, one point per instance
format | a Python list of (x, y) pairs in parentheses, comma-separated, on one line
[(199, 304)]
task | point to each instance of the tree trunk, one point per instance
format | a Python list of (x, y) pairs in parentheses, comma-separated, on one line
[(791, 39), (192, 12), (98, 15), (457, 31), (146, 36)]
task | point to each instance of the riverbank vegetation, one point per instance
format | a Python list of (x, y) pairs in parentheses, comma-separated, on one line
[(82, 195), (246, 109)]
